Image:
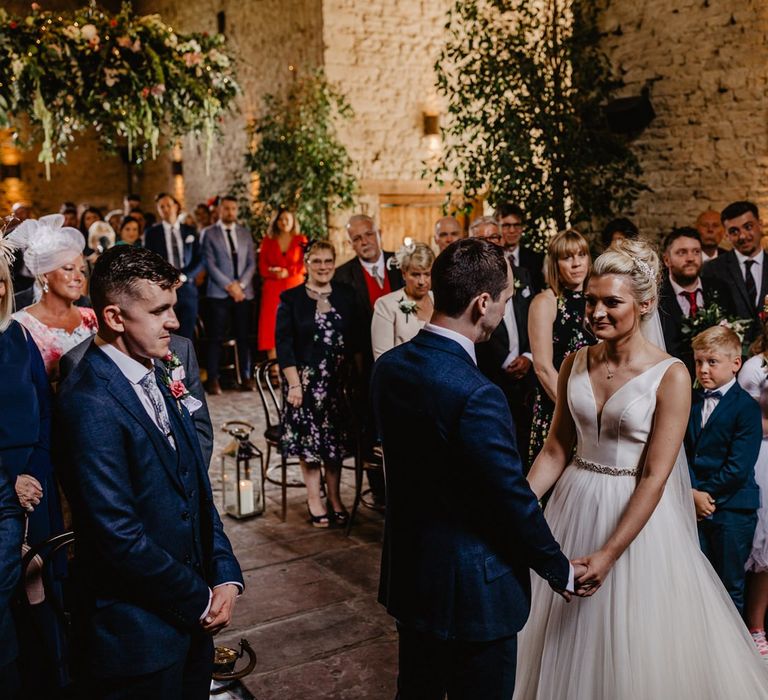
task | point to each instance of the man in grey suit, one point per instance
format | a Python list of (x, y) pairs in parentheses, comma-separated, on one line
[(230, 259), (185, 351)]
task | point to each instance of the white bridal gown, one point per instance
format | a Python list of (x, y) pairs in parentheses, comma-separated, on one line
[(661, 627)]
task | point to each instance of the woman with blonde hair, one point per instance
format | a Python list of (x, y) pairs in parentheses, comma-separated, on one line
[(660, 624), (556, 324), (54, 255), (400, 315)]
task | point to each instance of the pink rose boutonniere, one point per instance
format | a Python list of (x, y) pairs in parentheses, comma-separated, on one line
[(174, 379)]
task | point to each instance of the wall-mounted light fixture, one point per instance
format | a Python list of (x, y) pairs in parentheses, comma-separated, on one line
[(9, 171), (431, 130)]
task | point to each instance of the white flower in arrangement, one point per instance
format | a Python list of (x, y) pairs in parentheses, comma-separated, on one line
[(17, 66), (72, 32), (89, 32), (111, 76)]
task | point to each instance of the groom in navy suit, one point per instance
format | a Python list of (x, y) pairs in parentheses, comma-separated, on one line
[(462, 526), (156, 576)]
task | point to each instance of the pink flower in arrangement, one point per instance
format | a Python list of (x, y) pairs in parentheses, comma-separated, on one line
[(113, 23), (145, 92), (178, 390), (158, 89), (124, 42), (193, 58)]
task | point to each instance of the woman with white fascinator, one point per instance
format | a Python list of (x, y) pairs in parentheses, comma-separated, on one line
[(54, 255)]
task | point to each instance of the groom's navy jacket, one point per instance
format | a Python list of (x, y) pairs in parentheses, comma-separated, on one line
[(722, 454), (462, 526), (148, 540)]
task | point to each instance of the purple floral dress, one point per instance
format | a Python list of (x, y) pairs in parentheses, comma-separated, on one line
[(568, 335), (315, 431)]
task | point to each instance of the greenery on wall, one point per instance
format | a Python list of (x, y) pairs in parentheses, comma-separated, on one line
[(127, 76), (300, 162), (526, 83)]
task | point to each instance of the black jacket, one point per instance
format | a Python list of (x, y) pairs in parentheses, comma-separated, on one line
[(534, 263), (295, 326)]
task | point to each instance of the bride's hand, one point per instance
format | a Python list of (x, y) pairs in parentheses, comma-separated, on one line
[(598, 566)]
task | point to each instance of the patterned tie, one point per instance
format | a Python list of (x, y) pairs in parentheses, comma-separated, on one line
[(691, 297), (375, 274), (750, 282), (155, 396), (233, 252), (178, 256)]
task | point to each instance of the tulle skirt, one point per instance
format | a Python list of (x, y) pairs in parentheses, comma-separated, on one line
[(758, 559), (661, 627)]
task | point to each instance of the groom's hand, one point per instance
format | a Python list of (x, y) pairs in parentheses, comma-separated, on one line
[(578, 571), (598, 565)]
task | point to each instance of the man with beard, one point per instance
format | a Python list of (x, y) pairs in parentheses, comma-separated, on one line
[(683, 294)]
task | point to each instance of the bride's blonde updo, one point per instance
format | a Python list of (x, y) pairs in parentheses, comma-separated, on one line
[(637, 260)]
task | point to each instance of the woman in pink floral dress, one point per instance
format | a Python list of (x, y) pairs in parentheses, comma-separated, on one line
[(54, 255)]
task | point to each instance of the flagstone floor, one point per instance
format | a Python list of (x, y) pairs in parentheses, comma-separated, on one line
[(309, 609)]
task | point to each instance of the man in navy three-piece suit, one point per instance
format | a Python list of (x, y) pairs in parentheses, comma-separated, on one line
[(462, 526), (156, 575)]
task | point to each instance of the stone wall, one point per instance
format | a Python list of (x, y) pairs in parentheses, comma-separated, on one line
[(706, 62)]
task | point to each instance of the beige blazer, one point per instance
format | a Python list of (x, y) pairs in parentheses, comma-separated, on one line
[(390, 326)]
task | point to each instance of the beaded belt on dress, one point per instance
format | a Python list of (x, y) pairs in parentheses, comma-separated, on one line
[(602, 468)]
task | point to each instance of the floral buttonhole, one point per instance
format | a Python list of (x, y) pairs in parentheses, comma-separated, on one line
[(189, 239), (408, 307), (173, 377)]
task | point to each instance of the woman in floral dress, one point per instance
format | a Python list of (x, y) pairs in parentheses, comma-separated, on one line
[(556, 325), (316, 336)]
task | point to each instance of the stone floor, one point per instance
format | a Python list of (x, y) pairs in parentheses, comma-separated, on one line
[(309, 610)]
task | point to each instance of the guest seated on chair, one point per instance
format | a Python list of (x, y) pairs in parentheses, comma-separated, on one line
[(55, 256), (316, 335), (399, 316)]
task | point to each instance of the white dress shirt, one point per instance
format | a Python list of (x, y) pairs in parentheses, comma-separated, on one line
[(707, 258), (514, 337), (462, 340), (711, 403), (756, 270), (682, 302), (379, 265)]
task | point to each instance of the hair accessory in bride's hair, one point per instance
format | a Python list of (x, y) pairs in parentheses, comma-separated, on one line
[(399, 257), (645, 268)]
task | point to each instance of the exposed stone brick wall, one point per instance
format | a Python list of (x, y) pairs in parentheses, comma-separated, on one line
[(707, 64)]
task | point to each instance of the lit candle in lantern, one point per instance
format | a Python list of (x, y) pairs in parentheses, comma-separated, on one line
[(246, 496)]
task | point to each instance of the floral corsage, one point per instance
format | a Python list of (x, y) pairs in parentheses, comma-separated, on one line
[(174, 379), (408, 307)]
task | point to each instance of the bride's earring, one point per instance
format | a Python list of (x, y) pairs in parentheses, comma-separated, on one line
[(45, 287)]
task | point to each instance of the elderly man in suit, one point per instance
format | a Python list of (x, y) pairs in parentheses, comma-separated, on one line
[(462, 525), (11, 533), (711, 230), (742, 271), (371, 276), (683, 293), (512, 226), (230, 260), (179, 245), (447, 230), (156, 576)]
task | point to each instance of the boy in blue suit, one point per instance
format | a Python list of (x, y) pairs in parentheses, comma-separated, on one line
[(722, 443)]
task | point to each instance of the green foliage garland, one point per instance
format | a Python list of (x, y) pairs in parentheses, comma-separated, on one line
[(526, 83), (129, 77), (300, 162)]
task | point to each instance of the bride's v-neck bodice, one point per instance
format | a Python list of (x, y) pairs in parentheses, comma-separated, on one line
[(621, 435)]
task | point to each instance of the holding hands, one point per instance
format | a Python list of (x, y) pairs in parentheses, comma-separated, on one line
[(595, 568)]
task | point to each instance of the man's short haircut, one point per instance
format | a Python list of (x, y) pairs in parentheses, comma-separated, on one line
[(357, 218), (119, 269), (720, 339), (509, 209), (466, 269), (161, 195), (620, 225), (482, 221), (737, 209), (227, 198), (682, 232)]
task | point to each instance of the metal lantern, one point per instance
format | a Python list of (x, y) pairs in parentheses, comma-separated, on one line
[(242, 466)]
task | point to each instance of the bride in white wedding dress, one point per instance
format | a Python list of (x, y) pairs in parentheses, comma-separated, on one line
[(660, 625)]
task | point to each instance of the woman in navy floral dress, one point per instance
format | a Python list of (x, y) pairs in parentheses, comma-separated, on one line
[(556, 325), (316, 329)]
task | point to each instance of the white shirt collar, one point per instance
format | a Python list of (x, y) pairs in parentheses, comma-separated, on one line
[(466, 343), (514, 255), (679, 289), (133, 371), (724, 389), (379, 264), (742, 258)]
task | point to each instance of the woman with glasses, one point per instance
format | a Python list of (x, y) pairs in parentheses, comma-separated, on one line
[(315, 339), (556, 324)]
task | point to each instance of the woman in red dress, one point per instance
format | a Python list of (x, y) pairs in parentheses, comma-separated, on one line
[(281, 266)]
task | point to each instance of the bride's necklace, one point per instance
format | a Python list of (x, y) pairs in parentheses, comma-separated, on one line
[(609, 373)]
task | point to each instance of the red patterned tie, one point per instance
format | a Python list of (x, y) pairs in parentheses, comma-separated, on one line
[(691, 297)]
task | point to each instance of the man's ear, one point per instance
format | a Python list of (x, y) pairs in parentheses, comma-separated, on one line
[(112, 317), (481, 302)]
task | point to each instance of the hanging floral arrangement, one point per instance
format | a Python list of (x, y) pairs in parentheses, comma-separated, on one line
[(129, 77)]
